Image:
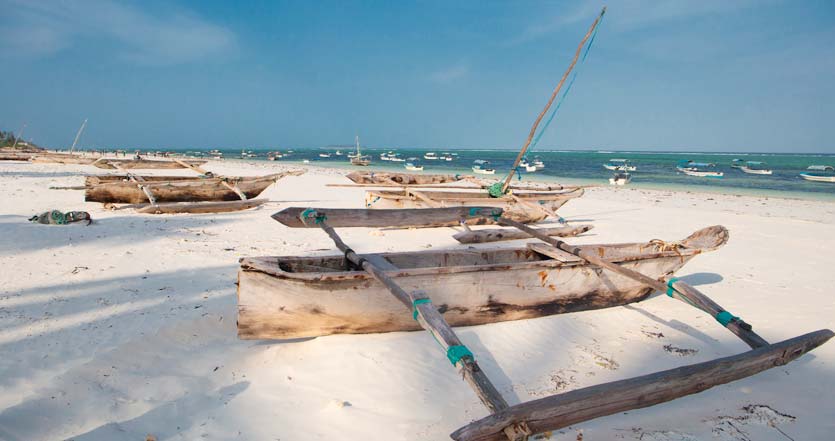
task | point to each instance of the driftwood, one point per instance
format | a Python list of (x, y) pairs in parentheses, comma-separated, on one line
[(193, 207), (350, 217), (562, 410), (499, 234)]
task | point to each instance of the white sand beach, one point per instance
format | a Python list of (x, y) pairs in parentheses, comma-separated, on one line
[(127, 328)]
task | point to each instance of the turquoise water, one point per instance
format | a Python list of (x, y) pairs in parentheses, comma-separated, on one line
[(655, 170)]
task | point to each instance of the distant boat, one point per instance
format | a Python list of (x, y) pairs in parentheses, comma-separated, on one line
[(448, 156), (619, 165), (698, 169), (324, 155), (737, 163), (620, 179), (431, 156), (821, 168), (306, 161), (358, 158), (483, 167), (396, 158), (538, 163), (411, 164), (818, 177), (338, 153), (530, 168), (755, 168)]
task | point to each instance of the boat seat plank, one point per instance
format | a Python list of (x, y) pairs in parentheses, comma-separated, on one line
[(553, 252)]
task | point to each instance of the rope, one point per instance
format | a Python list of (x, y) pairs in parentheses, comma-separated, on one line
[(310, 213)]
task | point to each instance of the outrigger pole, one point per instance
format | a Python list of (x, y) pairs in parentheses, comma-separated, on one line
[(550, 101), (557, 411)]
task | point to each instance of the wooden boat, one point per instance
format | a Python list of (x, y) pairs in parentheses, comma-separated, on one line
[(521, 206), (15, 156), (388, 178), (111, 163), (817, 177), (121, 189), (63, 158), (290, 297)]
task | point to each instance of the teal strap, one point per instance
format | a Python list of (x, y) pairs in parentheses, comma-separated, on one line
[(456, 353), (312, 214), (725, 317), (474, 212), (670, 289), (414, 306)]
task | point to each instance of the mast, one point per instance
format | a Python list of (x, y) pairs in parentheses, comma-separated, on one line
[(78, 135), (358, 146), (20, 135)]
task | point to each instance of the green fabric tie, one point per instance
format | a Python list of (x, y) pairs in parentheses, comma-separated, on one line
[(414, 306), (495, 190), (725, 317), (456, 353), (670, 289)]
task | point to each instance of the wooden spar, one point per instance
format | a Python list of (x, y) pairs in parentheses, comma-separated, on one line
[(499, 234), (680, 290), (349, 217), (550, 101), (432, 321), (197, 169), (139, 181), (539, 207), (429, 201), (562, 410)]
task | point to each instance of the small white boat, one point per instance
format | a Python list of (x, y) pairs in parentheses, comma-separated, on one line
[(821, 168), (737, 163), (324, 155), (483, 167), (699, 169), (620, 179), (431, 156), (338, 153), (538, 163), (306, 161), (412, 165), (755, 168), (619, 165), (396, 158), (818, 177)]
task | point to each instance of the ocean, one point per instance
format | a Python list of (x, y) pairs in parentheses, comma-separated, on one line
[(655, 170)]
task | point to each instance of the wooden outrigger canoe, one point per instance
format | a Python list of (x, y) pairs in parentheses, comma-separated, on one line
[(388, 178), (523, 207), (63, 158), (290, 297), (121, 189), (114, 163)]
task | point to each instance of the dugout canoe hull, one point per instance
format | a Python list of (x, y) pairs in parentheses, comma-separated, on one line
[(293, 297), (62, 158), (388, 199), (145, 164), (119, 189), (387, 178)]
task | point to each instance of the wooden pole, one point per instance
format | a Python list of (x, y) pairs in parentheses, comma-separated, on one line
[(680, 290), (499, 234), (432, 321), (550, 101)]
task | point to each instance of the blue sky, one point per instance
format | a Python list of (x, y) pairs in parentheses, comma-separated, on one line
[(676, 75)]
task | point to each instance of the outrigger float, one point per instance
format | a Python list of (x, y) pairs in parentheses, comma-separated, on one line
[(289, 297)]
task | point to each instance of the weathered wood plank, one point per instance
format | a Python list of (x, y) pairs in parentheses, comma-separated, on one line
[(196, 207), (350, 217), (562, 410), (554, 252), (499, 234)]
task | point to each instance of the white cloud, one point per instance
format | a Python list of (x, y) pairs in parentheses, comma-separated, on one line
[(450, 73), (37, 29)]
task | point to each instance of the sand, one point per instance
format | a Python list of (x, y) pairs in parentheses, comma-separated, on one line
[(126, 328)]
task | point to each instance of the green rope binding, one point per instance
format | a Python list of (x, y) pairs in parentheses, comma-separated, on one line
[(495, 190), (58, 217), (414, 306), (312, 214), (725, 318), (456, 353), (670, 289)]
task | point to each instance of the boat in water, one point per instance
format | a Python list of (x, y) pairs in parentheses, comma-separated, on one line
[(818, 177), (412, 165), (700, 169), (821, 168), (430, 156), (621, 178), (324, 155), (755, 168), (482, 167), (358, 158), (537, 163), (619, 165)]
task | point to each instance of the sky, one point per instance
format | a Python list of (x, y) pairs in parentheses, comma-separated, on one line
[(662, 75)]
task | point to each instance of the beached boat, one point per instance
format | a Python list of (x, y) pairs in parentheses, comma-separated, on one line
[(755, 168), (388, 178), (817, 177), (700, 169), (63, 158), (482, 167), (145, 164), (525, 207), (121, 189), (620, 179), (292, 297), (619, 165)]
